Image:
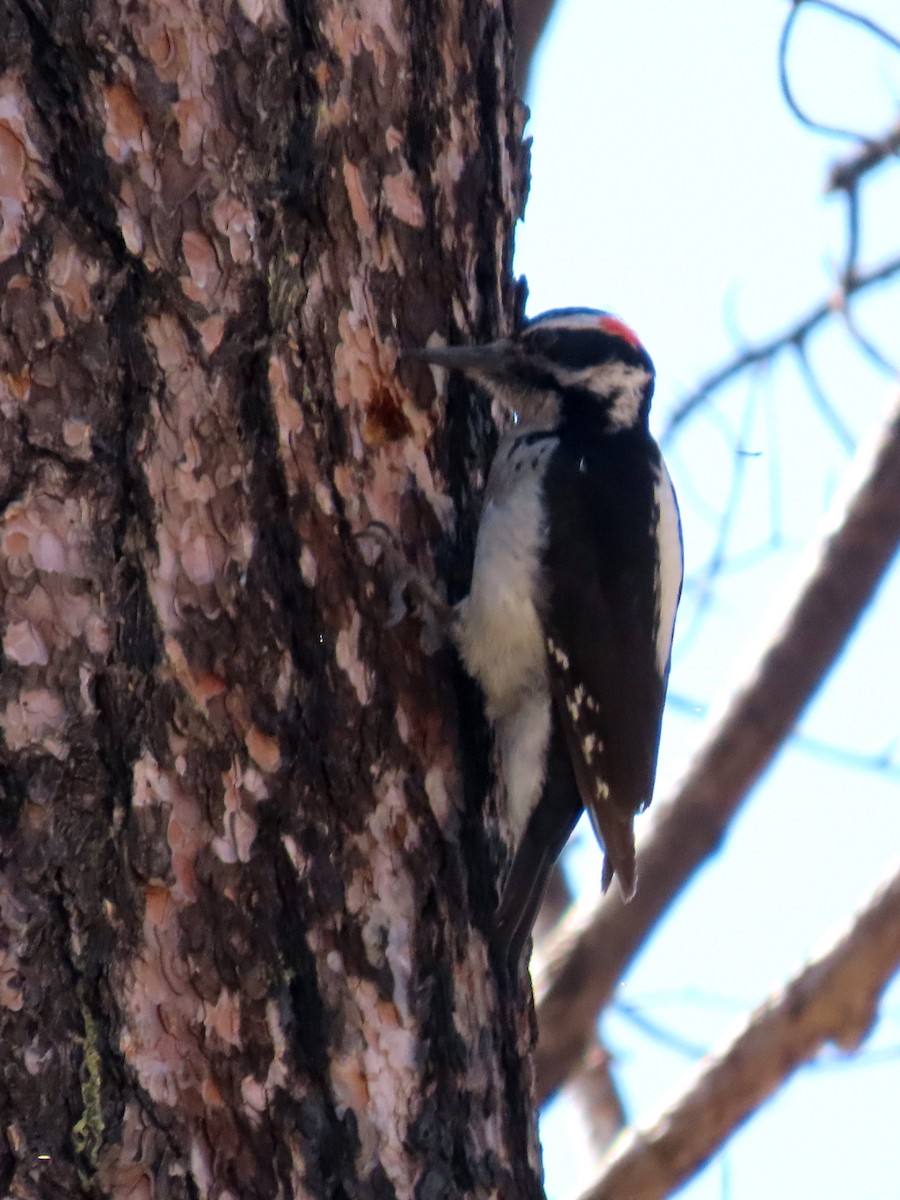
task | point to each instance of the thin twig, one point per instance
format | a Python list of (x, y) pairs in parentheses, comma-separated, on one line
[(851, 257), (791, 101), (726, 519), (657, 1031), (878, 360), (842, 756), (826, 409), (792, 337)]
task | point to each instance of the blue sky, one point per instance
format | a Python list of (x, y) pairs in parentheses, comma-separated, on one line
[(671, 184)]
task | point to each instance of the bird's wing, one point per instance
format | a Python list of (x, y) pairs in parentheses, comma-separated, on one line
[(608, 682)]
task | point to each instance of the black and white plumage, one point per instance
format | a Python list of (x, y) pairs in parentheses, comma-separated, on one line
[(569, 619)]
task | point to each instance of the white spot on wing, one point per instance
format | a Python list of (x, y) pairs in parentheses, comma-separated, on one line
[(558, 654), (670, 565), (592, 746), (580, 705)]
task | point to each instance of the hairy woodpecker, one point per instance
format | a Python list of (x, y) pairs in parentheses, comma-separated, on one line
[(578, 567)]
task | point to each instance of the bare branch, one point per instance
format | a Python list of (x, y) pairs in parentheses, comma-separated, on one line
[(794, 336), (846, 178), (847, 15), (833, 1000), (845, 175), (590, 952)]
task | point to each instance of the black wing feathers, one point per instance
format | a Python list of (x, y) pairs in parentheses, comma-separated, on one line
[(601, 557)]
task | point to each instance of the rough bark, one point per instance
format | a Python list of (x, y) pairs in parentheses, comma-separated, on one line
[(832, 1000), (590, 953), (246, 864)]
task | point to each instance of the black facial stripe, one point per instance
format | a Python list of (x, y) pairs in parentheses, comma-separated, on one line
[(577, 349)]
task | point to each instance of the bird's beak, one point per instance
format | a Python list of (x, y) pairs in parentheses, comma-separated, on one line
[(472, 360)]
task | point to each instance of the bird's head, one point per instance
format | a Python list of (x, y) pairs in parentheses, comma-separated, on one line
[(572, 352)]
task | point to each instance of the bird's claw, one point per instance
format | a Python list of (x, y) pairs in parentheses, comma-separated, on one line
[(410, 590)]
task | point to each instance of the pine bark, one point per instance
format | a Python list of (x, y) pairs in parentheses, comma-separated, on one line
[(248, 839)]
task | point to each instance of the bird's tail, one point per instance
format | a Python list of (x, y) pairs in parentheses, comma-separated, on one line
[(615, 834)]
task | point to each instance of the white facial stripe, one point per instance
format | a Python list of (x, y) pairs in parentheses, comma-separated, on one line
[(671, 565), (624, 380), (578, 320)]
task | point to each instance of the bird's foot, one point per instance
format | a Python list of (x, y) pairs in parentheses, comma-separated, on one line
[(410, 591)]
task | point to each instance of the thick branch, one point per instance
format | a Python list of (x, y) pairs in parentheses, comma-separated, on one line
[(591, 953), (834, 999)]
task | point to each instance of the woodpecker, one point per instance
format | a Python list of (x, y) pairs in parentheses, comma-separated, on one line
[(569, 619)]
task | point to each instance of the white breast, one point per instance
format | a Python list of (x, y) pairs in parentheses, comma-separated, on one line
[(498, 628), (499, 631)]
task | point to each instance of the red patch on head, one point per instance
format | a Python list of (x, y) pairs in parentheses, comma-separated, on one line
[(617, 328)]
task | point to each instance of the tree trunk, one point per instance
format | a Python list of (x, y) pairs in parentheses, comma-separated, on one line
[(248, 841)]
